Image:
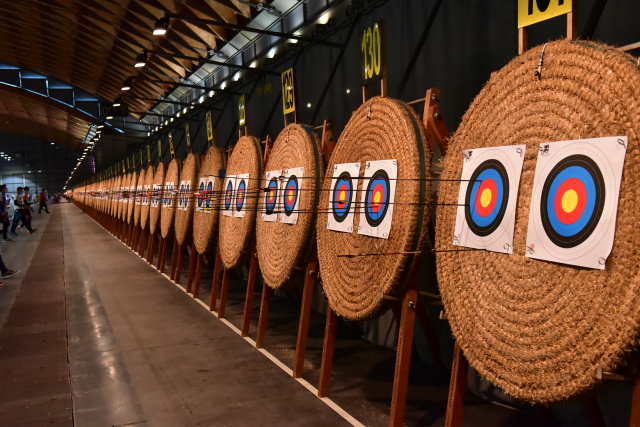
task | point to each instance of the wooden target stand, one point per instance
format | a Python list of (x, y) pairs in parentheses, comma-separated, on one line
[(410, 305), (253, 261), (177, 268), (460, 365)]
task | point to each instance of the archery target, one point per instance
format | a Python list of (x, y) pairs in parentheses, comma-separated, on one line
[(202, 195), (169, 199), (290, 194), (210, 197), (132, 190), (376, 201), (229, 193), (240, 200), (575, 201), (342, 197), (487, 198), (271, 196)]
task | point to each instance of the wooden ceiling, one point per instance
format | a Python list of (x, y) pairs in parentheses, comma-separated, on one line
[(92, 44), (26, 113)]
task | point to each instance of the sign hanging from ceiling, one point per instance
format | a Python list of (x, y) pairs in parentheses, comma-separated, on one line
[(533, 11)]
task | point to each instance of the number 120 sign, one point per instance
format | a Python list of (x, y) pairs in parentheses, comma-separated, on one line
[(373, 52)]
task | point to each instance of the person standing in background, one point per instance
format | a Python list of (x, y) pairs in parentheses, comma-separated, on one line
[(43, 201), (4, 214), (22, 212)]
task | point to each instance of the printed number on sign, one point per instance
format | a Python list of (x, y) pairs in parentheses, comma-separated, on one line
[(372, 52)]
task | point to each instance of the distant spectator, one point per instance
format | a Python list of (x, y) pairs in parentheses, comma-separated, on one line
[(4, 213), (43, 201)]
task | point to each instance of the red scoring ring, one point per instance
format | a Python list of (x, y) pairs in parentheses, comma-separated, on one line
[(342, 203), (570, 184), (487, 184), (375, 207)]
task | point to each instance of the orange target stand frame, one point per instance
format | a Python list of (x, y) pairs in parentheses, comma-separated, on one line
[(410, 304), (253, 261), (194, 278), (176, 270), (327, 144), (460, 366)]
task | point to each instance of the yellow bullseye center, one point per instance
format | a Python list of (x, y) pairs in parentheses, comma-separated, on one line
[(342, 196), (377, 197), (290, 195), (485, 198), (569, 201)]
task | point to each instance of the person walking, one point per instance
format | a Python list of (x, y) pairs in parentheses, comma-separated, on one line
[(4, 214), (22, 212), (43, 201), (6, 273)]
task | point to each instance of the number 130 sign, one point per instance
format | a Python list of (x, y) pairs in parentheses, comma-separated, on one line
[(373, 52)]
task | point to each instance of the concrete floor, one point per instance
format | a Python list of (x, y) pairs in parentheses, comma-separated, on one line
[(91, 335)]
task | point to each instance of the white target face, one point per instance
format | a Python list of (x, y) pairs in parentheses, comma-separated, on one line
[(485, 218), (139, 195), (271, 196), (156, 196), (229, 191), (574, 201), (241, 198), (342, 197), (169, 195), (185, 194), (145, 195), (377, 198), (201, 194), (210, 197), (291, 191), (132, 191)]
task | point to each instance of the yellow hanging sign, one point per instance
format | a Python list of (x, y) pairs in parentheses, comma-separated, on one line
[(210, 136), (171, 149), (187, 133), (534, 11), (288, 91), (242, 110)]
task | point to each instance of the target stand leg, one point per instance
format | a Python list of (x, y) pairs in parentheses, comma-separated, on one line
[(192, 266), (179, 261), (143, 242), (263, 320), (215, 284), (328, 348), (151, 249), (634, 421), (251, 288), (162, 259), (305, 314), (196, 285), (174, 258), (457, 388), (403, 356), (224, 292)]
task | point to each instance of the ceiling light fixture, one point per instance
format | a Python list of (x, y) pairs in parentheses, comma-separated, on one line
[(161, 26), (141, 59), (126, 85)]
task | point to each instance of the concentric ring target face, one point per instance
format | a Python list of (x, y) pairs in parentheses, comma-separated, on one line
[(377, 198), (228, 195), (341, 196), (181, 196), (187, 195), (271, 196), (290, 196), (573, 201), (241, 193), (201, 198), (209, 195), (487, 197)]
